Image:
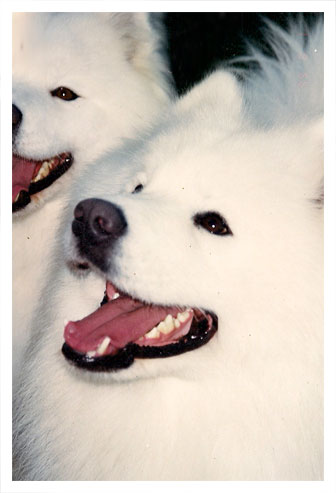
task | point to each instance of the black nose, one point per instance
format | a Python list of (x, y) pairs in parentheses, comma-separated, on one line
[(98, 222), (16, 117)]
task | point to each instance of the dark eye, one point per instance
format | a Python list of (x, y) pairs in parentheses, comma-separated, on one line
[(213, 222), (138, 188), (64, 93)]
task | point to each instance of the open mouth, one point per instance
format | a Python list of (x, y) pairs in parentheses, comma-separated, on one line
[(30, 176), (124, 328)]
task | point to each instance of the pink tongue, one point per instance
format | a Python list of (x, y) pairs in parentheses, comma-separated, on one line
[(123, 320), (22, 174)]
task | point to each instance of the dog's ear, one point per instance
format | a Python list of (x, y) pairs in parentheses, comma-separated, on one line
[(220, 91), (306, 163), (144, 40), (135, 30)]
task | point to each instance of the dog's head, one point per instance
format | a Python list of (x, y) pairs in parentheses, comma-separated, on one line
[(81, 83), (223, 230)]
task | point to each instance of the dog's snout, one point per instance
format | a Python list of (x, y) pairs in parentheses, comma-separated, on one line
[(16, 117), (98, 221)]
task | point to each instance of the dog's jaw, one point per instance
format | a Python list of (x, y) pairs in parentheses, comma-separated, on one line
[(30, 177)]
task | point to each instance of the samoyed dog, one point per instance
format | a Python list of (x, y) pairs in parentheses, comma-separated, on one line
[(82, 82), (204, 360)]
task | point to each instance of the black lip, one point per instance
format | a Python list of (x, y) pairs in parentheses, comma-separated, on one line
[(23, 200), (52, 176), (123, 359), (198, 335), (24, 197)]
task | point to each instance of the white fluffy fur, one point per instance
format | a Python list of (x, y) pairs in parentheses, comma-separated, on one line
[(115, 62), (297, 81), (246, 406)]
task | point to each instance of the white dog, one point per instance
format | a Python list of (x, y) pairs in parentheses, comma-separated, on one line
[(207, 350), (81, 84)]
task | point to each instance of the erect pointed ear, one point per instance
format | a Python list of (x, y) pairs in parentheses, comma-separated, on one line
[(134, 29), (219, 91), (143, 36)]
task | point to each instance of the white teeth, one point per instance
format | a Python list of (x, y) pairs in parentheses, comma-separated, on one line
[(182, 317), (168, 325), (103, 346), (153, 334), (115, 296), (163, 328), (16, 198), (169, 321), (44, 170)]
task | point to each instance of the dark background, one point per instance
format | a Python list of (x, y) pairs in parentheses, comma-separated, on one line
[(198, 42)]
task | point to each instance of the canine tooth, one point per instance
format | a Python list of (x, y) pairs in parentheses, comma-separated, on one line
[(43, 172), (65, 322), (115, 296), (46, 169), (177, 323), (103, 346), (153, 334)]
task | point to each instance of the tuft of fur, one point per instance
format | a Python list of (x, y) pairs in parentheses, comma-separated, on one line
[(249, 404), (288, 86)]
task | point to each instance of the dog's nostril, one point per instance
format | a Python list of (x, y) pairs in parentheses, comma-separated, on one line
[(77, 227), (79, 212), (16, 116), (105, 225), (106, 221)]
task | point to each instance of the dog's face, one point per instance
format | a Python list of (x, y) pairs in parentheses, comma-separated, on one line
[(79, 86), (211, 230)]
